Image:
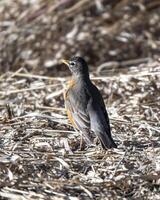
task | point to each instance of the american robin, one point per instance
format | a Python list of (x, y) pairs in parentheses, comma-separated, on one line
[(85, 106)]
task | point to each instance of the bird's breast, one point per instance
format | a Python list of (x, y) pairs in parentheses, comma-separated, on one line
[(76, 94), (70, 87)]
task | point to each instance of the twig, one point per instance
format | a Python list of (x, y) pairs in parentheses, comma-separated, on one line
[(40, 77), (116, 168), (28, 89)]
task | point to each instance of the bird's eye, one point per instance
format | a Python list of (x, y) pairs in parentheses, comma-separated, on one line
[(72, 64)]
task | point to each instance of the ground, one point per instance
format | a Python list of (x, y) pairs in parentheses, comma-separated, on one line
[(40, 155)]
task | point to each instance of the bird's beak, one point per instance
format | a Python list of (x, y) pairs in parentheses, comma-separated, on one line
[(66, 62)]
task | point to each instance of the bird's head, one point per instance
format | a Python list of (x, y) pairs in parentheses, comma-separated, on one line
[(77, 66)]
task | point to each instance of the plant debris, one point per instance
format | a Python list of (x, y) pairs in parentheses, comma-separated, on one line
[(40, 156)]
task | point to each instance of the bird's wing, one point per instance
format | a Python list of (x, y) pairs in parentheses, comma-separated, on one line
[(99, 121), (99, 125), (79, 118), (98, 99), (76, 110)]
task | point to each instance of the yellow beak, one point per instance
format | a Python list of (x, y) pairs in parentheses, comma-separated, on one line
[(66, 62)]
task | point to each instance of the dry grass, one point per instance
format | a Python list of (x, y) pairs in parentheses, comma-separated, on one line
[(39, 150), (40, 156)]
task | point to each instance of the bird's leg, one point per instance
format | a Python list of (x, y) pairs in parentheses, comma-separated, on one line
[(87, 137), (81, 138), (84, 138)]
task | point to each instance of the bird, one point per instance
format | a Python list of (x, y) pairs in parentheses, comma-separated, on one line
[(85, 106)]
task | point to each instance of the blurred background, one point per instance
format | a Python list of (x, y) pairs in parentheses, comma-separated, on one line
[(37, 34)]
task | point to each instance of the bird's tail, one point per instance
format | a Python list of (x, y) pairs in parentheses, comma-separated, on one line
[(106, 141)]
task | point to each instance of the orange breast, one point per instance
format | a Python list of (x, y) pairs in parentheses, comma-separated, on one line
[(71, 119), (70, 85), (66, 94)]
